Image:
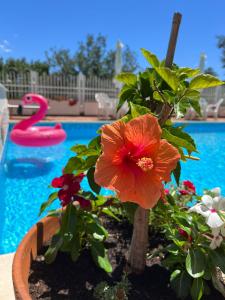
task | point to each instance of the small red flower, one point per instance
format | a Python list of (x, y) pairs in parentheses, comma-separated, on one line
[(185, 234), (84, 203), (183, 192), (166, 191), (189, 186), (69, 185)]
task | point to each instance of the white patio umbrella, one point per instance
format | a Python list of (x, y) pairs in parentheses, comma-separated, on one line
[(202, 62), (118, 63)]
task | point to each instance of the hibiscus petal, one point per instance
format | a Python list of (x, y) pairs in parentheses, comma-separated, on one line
[(214, 220), (112, 137), (113, 177), (142, 132), (146, 192), (166, 160)]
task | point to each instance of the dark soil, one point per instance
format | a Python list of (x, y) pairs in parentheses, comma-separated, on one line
[(65, 280)]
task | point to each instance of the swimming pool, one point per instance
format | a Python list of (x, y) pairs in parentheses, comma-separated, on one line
[(25, 173)]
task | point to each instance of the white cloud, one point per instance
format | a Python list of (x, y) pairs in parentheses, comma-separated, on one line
[(5, 46)]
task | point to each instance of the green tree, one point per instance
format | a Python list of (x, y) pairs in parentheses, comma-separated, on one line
[(93, 59), (40, 67), (221, 45), (210, 71), (61, 61)]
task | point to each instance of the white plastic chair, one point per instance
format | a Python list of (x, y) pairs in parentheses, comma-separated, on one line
[(191, 113), (104, 104), (213, 109)]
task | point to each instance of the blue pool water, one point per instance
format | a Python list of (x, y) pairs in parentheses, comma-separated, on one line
[(25, 174)]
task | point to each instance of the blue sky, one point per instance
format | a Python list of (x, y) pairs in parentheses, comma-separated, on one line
[(29, 27)]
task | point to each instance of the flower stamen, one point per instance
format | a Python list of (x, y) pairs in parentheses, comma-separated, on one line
[(145, 163)]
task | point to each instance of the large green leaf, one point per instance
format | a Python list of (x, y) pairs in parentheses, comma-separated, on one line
[(179, 138), (99, 255), (91, 180), (204, 81), (127, 78), (56, 243), (181, 283), (189, 72), (151, 58), (52, 197), (218, 258), (138, 110), (74, 163), (76, 247), (169, 77), (197, 289), (195, 263), (176, 173)]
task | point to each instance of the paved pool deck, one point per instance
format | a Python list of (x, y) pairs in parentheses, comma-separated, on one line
[(96, 119), (6, 285)]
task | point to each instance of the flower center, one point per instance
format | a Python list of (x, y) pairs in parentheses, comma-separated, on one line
[(213, 210), (145, 163), (65, 187)]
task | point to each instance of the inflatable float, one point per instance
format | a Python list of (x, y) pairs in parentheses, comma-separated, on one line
[(24, 134)]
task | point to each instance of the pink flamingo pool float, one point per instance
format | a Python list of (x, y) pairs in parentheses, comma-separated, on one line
[(24, 134)]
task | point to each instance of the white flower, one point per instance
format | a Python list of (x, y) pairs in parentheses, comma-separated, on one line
[(209, 208), (216, 242)]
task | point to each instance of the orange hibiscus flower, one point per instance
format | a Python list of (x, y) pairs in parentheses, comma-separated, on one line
[(135, 160)]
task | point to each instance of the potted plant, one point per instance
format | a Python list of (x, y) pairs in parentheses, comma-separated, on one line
[(134, 157)]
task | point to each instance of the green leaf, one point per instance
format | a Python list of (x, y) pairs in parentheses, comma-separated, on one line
[(95, 227), (56, 243), (195, 263), (76, 247), (126, 94), (189, 72), (138, 110), (99, 255), (90, 161), (169, 77), (69, 219), (127, 78), (218, 258), (108, 212), (95, 143), (91, 180), (52, 197), (176, 173), (180, 283), (157, 96), (204, 81), (79, 148), (197, 289), (150, 57), (195, 104), (177, 137), (130, 209), (74, 163)]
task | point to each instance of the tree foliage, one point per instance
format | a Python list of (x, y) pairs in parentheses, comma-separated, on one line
[(210, 71), (221, 45), (92, 58)]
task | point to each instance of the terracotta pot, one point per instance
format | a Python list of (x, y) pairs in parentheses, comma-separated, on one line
[(27, 252)]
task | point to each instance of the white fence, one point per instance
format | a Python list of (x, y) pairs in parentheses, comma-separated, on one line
[(57, 87), (4, 118)]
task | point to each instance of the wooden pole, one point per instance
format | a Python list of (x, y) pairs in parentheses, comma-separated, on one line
[(166, 109), (173, 39), (139, 242)]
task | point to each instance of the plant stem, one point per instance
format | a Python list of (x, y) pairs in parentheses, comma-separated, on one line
[(139, 243)]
